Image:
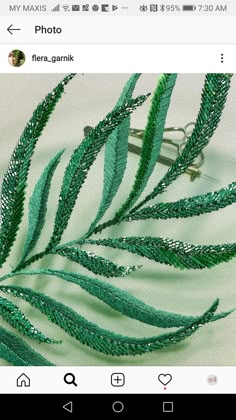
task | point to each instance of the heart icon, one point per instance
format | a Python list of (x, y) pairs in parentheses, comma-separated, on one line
[(164, 378)]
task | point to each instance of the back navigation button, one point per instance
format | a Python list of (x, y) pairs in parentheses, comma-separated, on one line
[(68, 407)]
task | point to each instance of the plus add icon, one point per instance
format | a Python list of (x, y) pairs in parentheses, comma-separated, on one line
[(117, 379)]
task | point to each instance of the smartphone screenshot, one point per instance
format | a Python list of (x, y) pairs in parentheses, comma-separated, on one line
[(117, 208)]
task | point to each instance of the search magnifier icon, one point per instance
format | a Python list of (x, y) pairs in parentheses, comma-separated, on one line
[(69, 379)]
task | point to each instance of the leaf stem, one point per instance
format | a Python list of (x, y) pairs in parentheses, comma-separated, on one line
[(30, 260)]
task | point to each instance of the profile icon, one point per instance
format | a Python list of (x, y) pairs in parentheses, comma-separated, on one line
[(16, 58)]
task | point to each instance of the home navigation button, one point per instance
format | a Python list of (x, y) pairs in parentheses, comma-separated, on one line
[(117, 406), (23, 381)]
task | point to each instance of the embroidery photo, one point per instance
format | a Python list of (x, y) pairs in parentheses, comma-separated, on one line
[(117, 240)]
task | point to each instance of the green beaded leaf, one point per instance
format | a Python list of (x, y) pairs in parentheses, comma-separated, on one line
[(169, 251), (116, 151), (38, 206), (15, 351), (214, 96), (120, 300), (100, 339), (81, 161), (92, 262), (15, 179), (13, 315), (188, 207)]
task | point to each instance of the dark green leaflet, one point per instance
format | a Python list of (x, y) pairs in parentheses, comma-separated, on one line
[(92, 262), (188, 207), (14, 350), (100, 339), (214, 96), (81, 161), (38, 206), (120, 300), (168, 251), (115, 156), (13, 315), (15, 179)]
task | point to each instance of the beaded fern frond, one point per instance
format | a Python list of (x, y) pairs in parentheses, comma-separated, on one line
[(111, 132)]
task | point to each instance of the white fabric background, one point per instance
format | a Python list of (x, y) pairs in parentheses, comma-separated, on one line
[(87, 100)]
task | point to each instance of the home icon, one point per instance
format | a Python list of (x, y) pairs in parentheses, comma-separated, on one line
[(23, 380)]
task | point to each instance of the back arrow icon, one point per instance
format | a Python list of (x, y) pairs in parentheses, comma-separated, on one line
[(10, 29), (68, 407)]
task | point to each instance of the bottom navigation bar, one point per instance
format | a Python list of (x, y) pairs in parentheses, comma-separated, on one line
[(163, 380), (113, 406)]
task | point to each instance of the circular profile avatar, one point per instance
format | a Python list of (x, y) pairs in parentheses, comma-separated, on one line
[(16, 58)]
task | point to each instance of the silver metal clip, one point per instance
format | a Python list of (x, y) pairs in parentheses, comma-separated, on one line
[(178, 142), (175, 137)]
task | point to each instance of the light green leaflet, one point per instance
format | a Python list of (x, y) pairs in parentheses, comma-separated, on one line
[(17, 352), (100, 339), (120, 300), (115, 156), (38, 206)]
